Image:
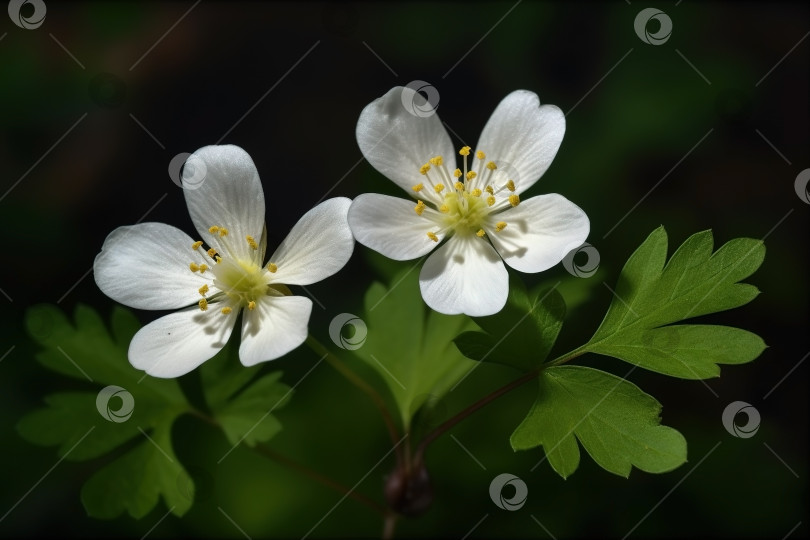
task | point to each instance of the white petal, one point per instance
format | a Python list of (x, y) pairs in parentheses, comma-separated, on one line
[(465, 276), (390, 226), (146, 266), (522, 138), (319, 245), (539, 232), (277, 326), (176, 344), (397, 139), (228, 193)]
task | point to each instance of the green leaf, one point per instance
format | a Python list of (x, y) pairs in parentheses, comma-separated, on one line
[(84, 429), (409, 346), (616, 423), (521, 334), (694, 282)]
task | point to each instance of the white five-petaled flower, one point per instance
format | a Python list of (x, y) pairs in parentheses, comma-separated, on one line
[(157, 266), (476, 207)]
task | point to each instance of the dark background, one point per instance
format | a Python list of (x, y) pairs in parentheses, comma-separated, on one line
[(86, 144)]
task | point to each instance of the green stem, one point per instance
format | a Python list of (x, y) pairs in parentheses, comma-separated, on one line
[(353, 378)]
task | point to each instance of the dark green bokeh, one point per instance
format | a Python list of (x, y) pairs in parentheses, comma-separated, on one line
[(633, 117)]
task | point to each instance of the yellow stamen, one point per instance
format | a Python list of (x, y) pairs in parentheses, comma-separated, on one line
[(444, 209), (480, 155), (490, 200), (437, 161), (480, 233), (213, 229), (464, 151), (193, 267), (418, 187), (419, 208), (203, 289), (510, 185), (501, 225), (223, 231), (219, 259), (203, 268), (272, 267), (203, 303), (196, 245), (424, 168), (489, 190), (471, 175), (226, 311), (476, 192), (457, 173), (251, 305), (514, 200), (459, 186), (211, 252), (491, 166), (251, 242), (433, 236), (439, 188)]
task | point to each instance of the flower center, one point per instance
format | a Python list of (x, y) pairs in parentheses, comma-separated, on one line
[(237, 282), (470, 197)]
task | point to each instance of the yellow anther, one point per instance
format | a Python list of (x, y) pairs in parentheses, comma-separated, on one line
[(226, 311), (476, 192), (203, 303), (459, 186), (433, 236), (203, 268), (444, 209), (193, 267), (223, 231), (437, 161), (203, 289), (213, 229), (489, 190), (471, 175), (211, 252), (251, 242), (251, 305), (491, 166), (419, 208), (418, 187), (480, 155), (510, 185), (501, 225), (490, 200), (219, 259), (457, 173), (424, 168), (464, 151), (196, 245), (480, 233), (272, 267), (439, 188), (514, 200)]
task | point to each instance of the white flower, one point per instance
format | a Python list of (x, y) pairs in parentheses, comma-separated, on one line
[(157, 266), (477, 207)]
